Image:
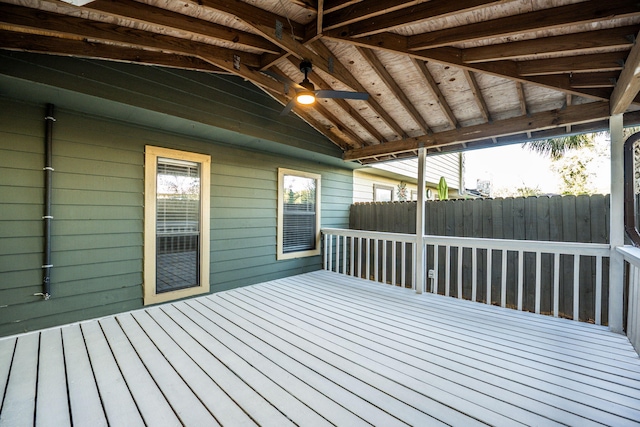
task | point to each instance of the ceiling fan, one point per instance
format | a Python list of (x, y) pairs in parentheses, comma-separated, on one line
[(307, 94)]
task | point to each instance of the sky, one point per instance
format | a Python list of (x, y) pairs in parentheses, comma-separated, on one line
[(513, 166)]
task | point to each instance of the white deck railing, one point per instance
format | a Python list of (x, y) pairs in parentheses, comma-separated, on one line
[(631, 256), (390, 257)]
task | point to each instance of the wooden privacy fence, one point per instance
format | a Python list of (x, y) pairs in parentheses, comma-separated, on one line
[(542, 275)]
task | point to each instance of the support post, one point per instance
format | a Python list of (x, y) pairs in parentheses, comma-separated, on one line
[(420, 265), (616, 226)]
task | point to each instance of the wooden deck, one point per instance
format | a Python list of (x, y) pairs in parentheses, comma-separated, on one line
[(320, 349)]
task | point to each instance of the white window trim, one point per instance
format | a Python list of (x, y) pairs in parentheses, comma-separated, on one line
[(280, 255), (151, 160)]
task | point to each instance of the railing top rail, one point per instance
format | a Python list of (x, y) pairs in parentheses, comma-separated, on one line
[(631, 254), (588, 249)]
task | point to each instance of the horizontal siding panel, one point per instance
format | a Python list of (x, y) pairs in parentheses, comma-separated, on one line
[(99, 167), (95, 256), (236, 255), (22, 178), (240, 182), (244, 243), (11, 159), (63, 227), (20, 212), (21, 294), (97, 183), (24, 228), (101, 241), (22, 195), (105, 269), (249, 213), (73, 212), (72, 197), (20, 245), (241, 233), (245, 203)]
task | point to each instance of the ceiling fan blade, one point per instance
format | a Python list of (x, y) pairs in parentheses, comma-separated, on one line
[(342, 94), (288, 107)]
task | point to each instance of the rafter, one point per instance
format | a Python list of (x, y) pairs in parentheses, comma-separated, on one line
[(477, 95), (573, 64), (22, 18), (545, 120), (572, 14), (628, 84), (433, 9), (81, 48), (433, 86), (130, 9), (522, 99), (620, 38), (388, 80)]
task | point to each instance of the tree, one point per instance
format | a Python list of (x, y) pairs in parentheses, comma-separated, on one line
[(558, 147)]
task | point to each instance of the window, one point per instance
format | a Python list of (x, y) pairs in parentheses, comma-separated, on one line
[(176, 235), (298, 214), (382, 193)]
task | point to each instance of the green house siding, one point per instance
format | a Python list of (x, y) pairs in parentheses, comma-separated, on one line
[(98, 221)]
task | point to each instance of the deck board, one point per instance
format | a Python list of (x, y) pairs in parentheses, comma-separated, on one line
[(321, 349)]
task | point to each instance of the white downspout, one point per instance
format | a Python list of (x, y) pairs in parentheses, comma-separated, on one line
[(420, 266), (616, 225)]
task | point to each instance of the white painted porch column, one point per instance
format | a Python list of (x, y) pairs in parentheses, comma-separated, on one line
[(616, 225), (420, 259)]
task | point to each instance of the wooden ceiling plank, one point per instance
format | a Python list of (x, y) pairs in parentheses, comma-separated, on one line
[(556, 17), (165, 18), (538, 121), (388, 80), (628, 84), (576, 43), (612, 61), (367, 25), (431, 84), (80, 48), (253, 14), (477, 95), (40, 20)]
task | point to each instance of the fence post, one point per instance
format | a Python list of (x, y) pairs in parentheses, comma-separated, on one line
[(419, 262), (616, 226)]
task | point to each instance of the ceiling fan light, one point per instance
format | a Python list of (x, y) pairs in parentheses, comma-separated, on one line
[(306, 97)]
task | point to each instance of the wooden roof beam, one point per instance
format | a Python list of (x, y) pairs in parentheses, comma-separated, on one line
[(388, 80), (576, 43), (130, 9), (556, 17), (544, 120), (628, 84), (612, 61), (86, 49), (63, 25), (477, 95), (522, 99), (430, 82), (362, 20)]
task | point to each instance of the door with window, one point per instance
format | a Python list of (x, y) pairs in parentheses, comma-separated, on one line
[(176, 224)]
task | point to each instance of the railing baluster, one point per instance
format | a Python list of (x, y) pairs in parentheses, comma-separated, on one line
[(352, 251), (368, 260), (576, 287), (520, 279), (474, 274), (459, 288), (598, 304), (538, 280), (435, 268), (375, 260), (447, 271), (384, 261), (394, 276), (338, 254), (489, 274), (330, 252), (503, 283), (324, 261), (404, 264), (414, 265), (556, 284)]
